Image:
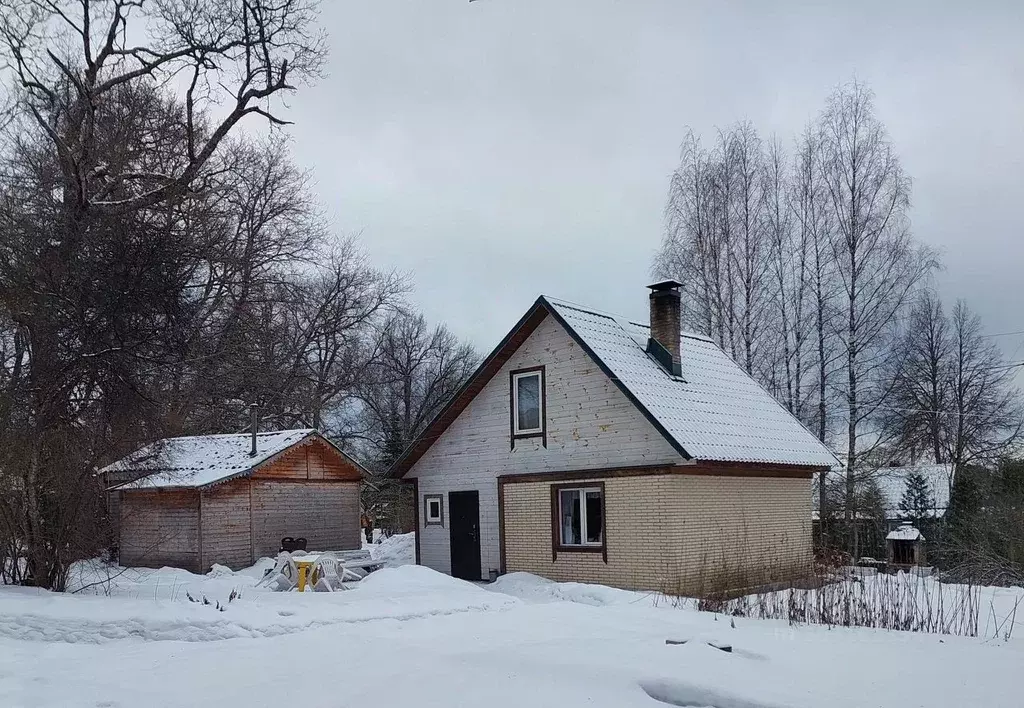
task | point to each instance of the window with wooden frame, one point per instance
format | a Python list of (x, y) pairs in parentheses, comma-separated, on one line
[(433, 510), (527, 403), (578, 519)]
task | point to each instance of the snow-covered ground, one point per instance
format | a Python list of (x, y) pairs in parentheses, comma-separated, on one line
[(408, 636)]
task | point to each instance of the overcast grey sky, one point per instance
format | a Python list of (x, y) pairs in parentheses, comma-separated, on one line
[(507, 148)]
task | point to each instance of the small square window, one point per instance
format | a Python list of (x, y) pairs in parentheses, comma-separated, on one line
[(433, 510)]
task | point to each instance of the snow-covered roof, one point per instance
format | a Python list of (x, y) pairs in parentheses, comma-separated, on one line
[(906, 532), (892, 482), (201, 460), (714, 410)]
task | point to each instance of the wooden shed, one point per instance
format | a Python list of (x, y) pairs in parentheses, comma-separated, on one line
[(191, 502), (905, 546)]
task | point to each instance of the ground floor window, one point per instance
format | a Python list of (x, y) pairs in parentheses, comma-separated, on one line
[(581, 516)]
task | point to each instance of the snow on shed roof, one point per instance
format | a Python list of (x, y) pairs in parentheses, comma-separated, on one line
[(201, 460), (714, 411), (906, 532)]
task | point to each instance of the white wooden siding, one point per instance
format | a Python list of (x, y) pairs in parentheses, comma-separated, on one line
[(590, 424)]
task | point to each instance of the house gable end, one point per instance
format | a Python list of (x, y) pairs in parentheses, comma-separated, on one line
[(589, 421)]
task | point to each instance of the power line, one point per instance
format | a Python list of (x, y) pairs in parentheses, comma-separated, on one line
[(1004, 334)]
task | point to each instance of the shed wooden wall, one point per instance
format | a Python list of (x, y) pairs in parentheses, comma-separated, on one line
[(227, 528), (160, 528), (326, 514)]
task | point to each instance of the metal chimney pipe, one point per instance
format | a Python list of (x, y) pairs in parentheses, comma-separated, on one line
[(254, 411)]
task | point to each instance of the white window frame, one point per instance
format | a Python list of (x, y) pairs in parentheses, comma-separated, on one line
[(516, 378), (584, 543), (429, 520)]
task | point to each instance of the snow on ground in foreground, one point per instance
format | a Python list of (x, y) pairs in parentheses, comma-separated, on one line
[(409, 636), (131, 612)]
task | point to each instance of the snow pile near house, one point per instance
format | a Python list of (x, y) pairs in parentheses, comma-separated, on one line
[(394, 551), (535, 589), (174, 605), (903, 601)]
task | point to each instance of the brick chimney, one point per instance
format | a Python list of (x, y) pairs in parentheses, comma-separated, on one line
[(665, 313)]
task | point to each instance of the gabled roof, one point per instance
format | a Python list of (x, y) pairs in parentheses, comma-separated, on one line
[(199, 461), (712, 412), (905, 532)]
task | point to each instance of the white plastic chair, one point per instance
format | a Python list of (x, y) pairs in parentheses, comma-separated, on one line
[(285, 574), (328, 571)]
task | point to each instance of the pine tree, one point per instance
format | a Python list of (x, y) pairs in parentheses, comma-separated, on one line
[(917, 502)]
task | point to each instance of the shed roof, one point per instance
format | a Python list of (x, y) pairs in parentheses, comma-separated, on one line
[(714, 411), (204, 460), (906, 532)]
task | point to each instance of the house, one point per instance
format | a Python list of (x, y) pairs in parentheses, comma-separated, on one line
[(590, 448), (191, 502)]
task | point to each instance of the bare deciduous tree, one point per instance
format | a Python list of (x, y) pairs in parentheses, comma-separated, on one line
[(69, 56), (986, 418), (921, 393), (109, 172), (877, 263), (416, 371)]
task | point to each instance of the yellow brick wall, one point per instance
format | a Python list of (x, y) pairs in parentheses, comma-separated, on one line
[(683, 534), (735, 532)]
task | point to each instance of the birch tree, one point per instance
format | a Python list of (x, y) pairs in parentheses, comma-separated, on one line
[(877, 263)]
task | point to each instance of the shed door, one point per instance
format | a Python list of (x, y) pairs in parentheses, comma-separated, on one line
[(464, 532)]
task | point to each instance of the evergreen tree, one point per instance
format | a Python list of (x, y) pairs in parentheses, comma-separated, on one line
[(917, 501)]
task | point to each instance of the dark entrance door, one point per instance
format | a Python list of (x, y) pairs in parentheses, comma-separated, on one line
[(464, 531)]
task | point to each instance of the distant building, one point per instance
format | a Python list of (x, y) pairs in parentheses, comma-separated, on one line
[(905, 546), (892, 483)]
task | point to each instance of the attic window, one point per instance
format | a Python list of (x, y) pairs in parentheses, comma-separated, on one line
[(528, 409)]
